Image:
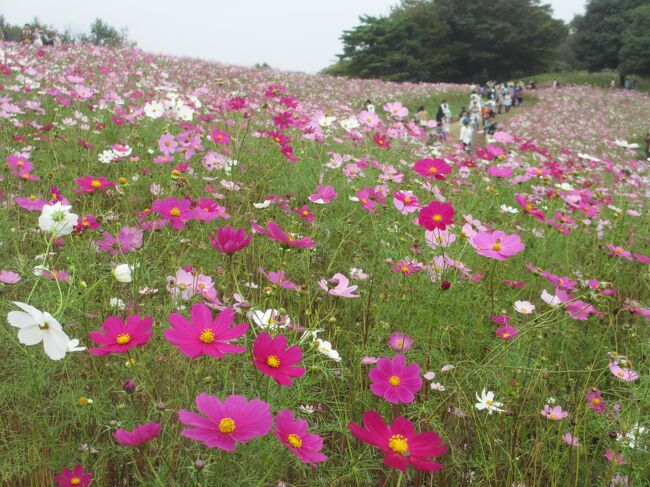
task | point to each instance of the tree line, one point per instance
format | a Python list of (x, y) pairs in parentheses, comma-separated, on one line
[(478, 40), (101, 33)]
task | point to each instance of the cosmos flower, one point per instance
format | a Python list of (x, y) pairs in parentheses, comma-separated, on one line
[(224, 424), (341, 287), (436, 215), (77, 477), (294, 435), (486, 401), (323, 195), (399, 341), (497, 245), (432, 168), (395, 381), (399, 442), (57, 219), (554, 413), (39, 326), (228, 240), (121, 336), (275, 232), (139, 436), (272, 358)]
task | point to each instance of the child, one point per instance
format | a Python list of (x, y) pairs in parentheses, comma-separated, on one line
[(467, 135)]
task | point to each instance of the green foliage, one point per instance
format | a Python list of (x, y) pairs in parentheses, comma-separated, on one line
[(452, 40), (634, 54), (103, 34), (602, 34)]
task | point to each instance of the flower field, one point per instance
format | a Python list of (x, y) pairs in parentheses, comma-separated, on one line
[(214, 275)]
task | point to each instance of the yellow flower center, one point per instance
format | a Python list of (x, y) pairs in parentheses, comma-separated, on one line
[(497, 246), (227, 425), (407, 199), (404, 269), (20, 163), (305, 213), (175, 212), (437, 218), (294, 440), (123, 338), (75, 481), (364, 200), (400, 343), (595, 401), (432, 170), (175, 172), (618, 250), (506, 335), (96, 183), (32, 197), (394, 381), (273, 361), (399, 444), (530, 207), (43, 326), (553, 416), (621, 374), (489, 402), (207, 336)]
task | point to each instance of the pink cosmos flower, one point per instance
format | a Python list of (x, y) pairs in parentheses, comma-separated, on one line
[(369, 198), (54, 275), (381, 140), (400, 341), (619, 252), (405, 202), (90, 184), (303, 212), (167, 144), (497, 245), (615, 458), (554, 413), (121, 336), (275, 232), (436, 215), (128, 239), (341, 287), (507, 332), (20, 162), (369, 119), (229, 240), (399, 442), (174, 211), (396, 109), (220, 137), (279, 279), (294, 435), (503, 137), (204, 335), (393, 380), (272, 358), (207, 210), (530, 207), (87, 222), (622, 373), (77, 477), (139, 436), (569, 439), (224, 424), (9, 277), (499, 172), (432, 168), (407, 267), (595, 401), (323, 195)]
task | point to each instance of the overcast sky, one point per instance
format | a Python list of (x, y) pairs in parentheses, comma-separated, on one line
[(298, 35)]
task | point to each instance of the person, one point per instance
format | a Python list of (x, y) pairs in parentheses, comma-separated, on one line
[(635, 84), (37, 37), (466, 135), (612, 83), (27, 34), (56, 40), (626, 83), (421, 116), (647, 146), (507, 100), (369, 106)]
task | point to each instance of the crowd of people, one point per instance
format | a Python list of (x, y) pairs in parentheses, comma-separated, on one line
[(40, 37)]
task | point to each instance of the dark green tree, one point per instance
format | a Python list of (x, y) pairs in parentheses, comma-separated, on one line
[(600, 32), (104, 34), (635, 53)]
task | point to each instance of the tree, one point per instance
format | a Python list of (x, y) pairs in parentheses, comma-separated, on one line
[(452, 40), (103, 34), (635, 53), (600, 33)]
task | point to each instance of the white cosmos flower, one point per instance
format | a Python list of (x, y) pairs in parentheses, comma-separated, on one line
[(350, 124), (550, 299), (154, 109), (123, 272), (524, 307), (326, 348), (185, 113), (633, 436), (271, 319), (39, 326), (508, 209), (107, 156), (260, 206), (57, 219), (486, 401), (437, 386), (73, 346), (117, 303)]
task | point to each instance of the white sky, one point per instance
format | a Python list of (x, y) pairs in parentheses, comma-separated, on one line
[(297, 35)]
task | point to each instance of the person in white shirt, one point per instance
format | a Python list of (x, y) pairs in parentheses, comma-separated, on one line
[(466, 134)]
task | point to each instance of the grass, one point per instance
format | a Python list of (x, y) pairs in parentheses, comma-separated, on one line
[(45, 424), (600, 79)]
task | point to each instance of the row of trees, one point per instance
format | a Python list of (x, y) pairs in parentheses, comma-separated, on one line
[(101, 33), (471, 40)]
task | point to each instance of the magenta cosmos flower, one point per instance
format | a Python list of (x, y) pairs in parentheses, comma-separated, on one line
[(128, 239), (204, 335), (139, 436), (224, 424), (121, 336), (507, 332), (436, 215), (90, 184), (220, 137), (497, 245), (229, 240), (293, 434), (529, 207), (174, 211), (395, 381), (77, 477), (405, 202), (275, 232), (432, 168), (272, 358), (323, 195), (401, 445)]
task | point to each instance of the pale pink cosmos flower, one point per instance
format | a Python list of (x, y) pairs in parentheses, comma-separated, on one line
[(341, 287), (9, 277), (622, 373), (439, 238), (279, 278), (497, 245), (405, 202), (554, 413), (619, 252), (569, 439)]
